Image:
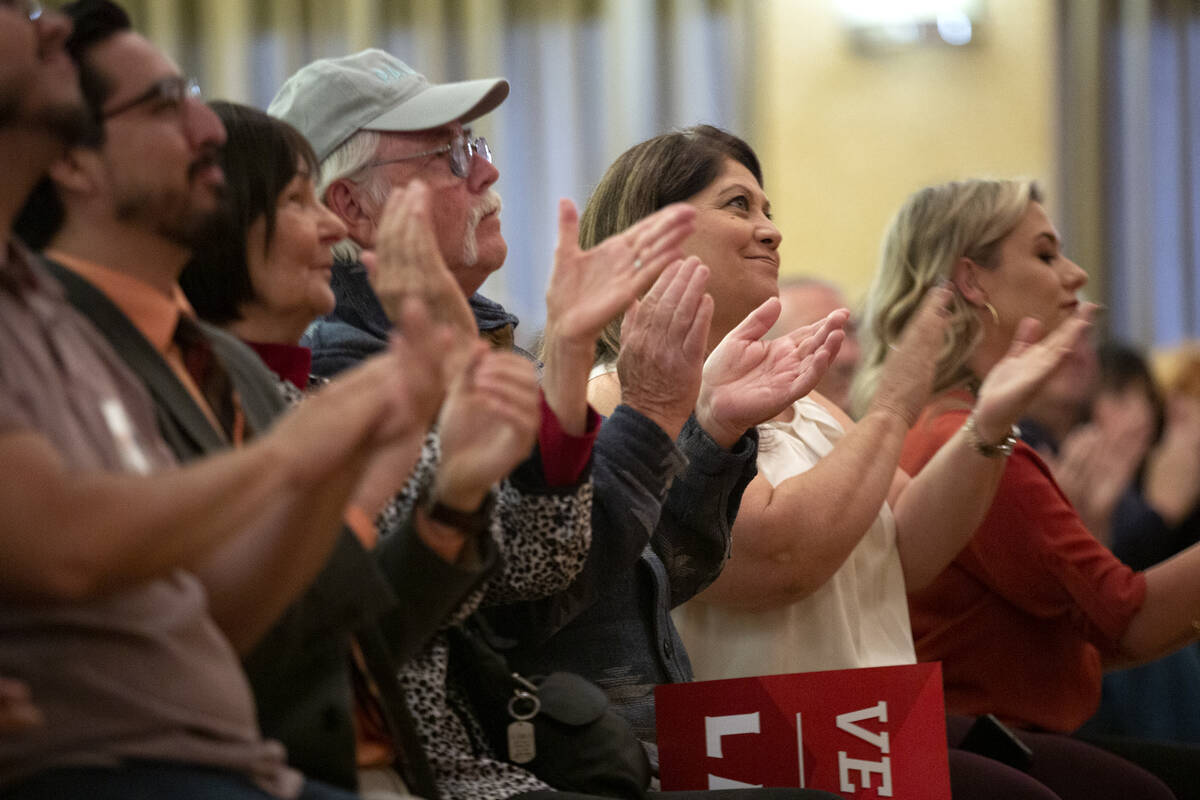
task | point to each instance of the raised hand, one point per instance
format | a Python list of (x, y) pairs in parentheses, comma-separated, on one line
[(422, 369), (1031, 359), (747, 381), (663, 338), (407, 262), (1172, 484), (589, 288), (1093, 468), (907, 378), (487, 427)]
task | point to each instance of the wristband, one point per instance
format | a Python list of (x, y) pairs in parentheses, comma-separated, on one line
[(468, 522), (1000, 449)]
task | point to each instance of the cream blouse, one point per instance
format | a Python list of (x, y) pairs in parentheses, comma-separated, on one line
[(858, 618)]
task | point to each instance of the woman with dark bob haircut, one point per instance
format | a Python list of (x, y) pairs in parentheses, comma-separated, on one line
[(831, 535), (265, 158)]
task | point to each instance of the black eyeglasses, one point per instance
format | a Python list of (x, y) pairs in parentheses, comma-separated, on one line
[(462, 148), (170, 92), (30, 8)]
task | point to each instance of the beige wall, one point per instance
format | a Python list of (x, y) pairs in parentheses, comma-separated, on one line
[(844, 138)]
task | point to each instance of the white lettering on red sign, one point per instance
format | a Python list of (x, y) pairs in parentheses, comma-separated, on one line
[(728, 725), (848, 722)]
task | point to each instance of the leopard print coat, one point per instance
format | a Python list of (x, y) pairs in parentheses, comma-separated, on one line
[(543, 536)]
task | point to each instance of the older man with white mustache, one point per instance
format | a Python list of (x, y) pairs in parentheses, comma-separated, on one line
[(376, 124)]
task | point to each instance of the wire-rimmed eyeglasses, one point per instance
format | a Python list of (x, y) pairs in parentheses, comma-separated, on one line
[(169, 92), (462, 148)]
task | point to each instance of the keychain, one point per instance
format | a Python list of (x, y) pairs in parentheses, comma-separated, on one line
[(522, 747)]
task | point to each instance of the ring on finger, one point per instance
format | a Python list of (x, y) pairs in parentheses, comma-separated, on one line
[(637, 263)]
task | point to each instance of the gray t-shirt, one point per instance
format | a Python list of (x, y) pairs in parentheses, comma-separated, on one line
[(142, 672)]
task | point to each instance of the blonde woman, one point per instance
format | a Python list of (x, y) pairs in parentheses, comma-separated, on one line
[(1026, 617)]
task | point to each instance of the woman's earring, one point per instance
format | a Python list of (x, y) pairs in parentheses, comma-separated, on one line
[(992, 310)]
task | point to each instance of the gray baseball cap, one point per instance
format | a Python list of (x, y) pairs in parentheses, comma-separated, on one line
[(331, 99)]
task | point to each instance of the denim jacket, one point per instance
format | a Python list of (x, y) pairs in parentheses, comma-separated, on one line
[(661, 520)]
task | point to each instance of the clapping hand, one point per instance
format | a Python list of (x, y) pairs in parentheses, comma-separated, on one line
[(663, 337), (407, 262), (590, 288), (907, 378), (747, 380), (419, 370), (1093, 468), (1015, 380), (487, 427), (388, 400)]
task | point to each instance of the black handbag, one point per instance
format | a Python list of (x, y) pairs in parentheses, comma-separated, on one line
[(559, 727)]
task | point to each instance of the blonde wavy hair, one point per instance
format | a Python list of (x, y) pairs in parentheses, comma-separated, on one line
[(934, 229)]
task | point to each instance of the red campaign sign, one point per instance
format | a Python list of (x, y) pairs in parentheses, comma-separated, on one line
[(861, 733)]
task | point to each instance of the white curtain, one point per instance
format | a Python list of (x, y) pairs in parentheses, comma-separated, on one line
[(589, 78), (1131, 153)]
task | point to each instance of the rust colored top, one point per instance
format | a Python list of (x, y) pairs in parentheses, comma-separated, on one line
[(1022, 617)]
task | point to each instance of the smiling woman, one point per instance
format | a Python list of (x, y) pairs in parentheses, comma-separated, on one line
[(266, 261), (720, 175)]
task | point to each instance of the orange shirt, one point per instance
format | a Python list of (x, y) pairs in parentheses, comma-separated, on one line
[(153, 313), (1022, 616)]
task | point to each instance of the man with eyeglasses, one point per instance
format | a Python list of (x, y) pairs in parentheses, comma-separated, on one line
[(375, 123), (119, 219), (104, 620)]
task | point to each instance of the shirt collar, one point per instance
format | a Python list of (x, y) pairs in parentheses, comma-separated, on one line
[(154, 314)]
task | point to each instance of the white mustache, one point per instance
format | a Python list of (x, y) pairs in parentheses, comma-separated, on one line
[(490, 202)]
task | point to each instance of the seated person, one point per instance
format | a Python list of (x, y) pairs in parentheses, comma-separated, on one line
[(103, 617), (118, 246), (1027, 615)]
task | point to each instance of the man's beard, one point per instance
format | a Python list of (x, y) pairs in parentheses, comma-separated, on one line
[(487, 204), (171, 218), (170, 214)]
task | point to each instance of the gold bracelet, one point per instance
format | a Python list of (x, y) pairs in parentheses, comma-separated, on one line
[(1001, 449)]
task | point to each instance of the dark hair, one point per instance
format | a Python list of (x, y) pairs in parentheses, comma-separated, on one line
[(261, 158), (666, 169), (93, 22), (1123, 367)]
